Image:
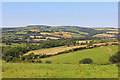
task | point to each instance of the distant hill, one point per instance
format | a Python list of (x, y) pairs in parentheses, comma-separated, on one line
[(43, 32)]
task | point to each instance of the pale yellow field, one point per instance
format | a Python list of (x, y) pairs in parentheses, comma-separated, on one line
[(53, 50), (113, 32), (107, 29), (39, 39), (36, 36), (44, 33), (107, 35), (52, 38), (34, 30)]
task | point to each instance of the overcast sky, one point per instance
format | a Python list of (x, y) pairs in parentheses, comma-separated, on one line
[(88, 14)]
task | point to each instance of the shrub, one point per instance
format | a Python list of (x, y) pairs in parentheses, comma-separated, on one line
[(39, 61), (33, 60), (118, 65), (106, 44), (115, 58), (86, 61), (95, 46), (48, 62), (66, 51)]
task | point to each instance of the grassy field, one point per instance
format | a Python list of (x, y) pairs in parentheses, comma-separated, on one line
[(67, 66), (99, 55), (36, 70)]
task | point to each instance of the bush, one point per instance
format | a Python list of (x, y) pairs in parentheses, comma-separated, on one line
[(38, 61), (106, 44), (95, 46), (115, 58), (48, 62), (86, 61), (118, 65), (33, 60), (66, 51)]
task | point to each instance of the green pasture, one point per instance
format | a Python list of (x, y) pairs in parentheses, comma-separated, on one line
[(37, 70), (100, 55)]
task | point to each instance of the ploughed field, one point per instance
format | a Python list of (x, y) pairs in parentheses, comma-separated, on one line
[(67, 66)]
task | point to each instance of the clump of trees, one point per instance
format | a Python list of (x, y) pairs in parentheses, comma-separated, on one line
[(15, 54), (86, 61), (115, 58)]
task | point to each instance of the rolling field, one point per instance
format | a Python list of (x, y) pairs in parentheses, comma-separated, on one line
[(100, 55), (67, 66)]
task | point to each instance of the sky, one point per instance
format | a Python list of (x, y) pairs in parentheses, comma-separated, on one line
[(84, 14)]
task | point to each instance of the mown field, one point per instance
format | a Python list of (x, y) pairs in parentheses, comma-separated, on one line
[(54, 50), (67, 66)]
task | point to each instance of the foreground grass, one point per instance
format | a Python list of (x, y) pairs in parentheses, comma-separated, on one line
[(100, 55), (36, 70)]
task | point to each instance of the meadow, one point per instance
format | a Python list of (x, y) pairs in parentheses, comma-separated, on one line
[(67, 66), (36, 70), (100, 55)]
